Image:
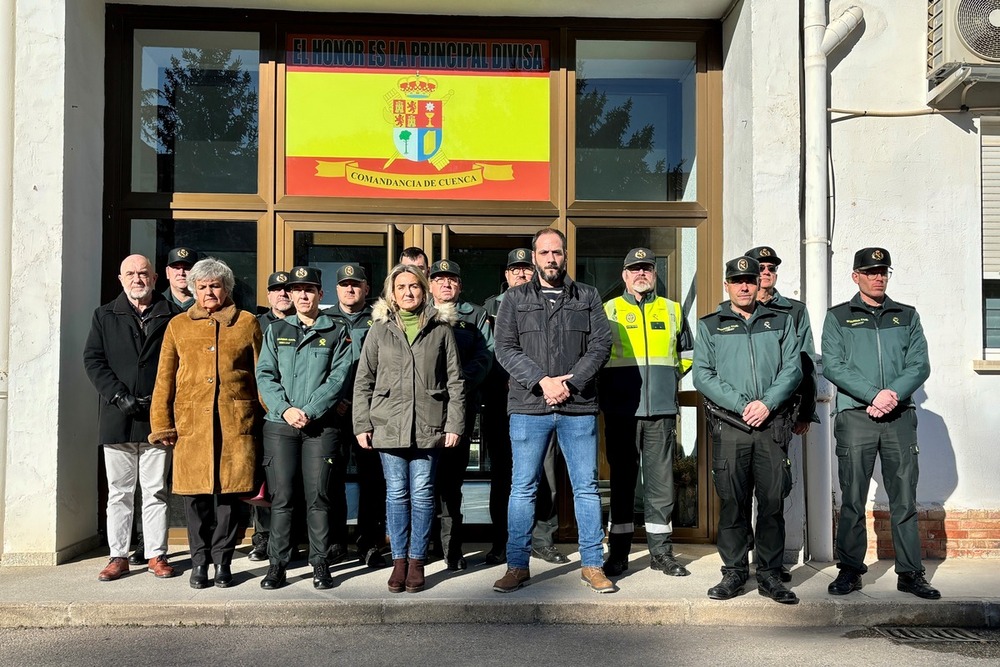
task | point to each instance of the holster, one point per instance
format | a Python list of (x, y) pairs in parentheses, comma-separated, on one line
[(720, 414)]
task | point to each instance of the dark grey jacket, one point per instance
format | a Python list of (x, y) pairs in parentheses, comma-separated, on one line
[(119, 356), (535, 339)]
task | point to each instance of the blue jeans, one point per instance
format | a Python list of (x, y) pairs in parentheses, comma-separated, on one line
[(409, 499), (529, 438)]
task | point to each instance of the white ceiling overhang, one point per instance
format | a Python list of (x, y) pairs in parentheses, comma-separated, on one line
[(623, 9)]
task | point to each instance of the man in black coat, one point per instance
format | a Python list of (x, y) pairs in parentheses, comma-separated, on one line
[(120, 356)]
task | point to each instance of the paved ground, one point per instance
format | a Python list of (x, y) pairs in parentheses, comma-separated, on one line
[(69, 595), (482, 645)]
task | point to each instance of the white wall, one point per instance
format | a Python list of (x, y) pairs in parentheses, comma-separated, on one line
[(912, 186), (908, 184), (762, 158), (82, 233), (51, 457)]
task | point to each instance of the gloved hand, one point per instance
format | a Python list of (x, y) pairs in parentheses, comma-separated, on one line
[(127, 403), (144, 402)]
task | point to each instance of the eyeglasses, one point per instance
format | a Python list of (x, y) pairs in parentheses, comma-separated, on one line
[(641, 268), (876, 271), (521, 270), (771, 268), (445, 279)]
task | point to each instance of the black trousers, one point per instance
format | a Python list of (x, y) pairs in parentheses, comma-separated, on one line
[(649, 442), (496, 435), (371, 500), (338, 486), (752, 463), (451, 467), (290, 455), (214, 525)]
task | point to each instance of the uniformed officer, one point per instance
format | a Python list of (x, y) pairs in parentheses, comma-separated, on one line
[(638, 395), (875, 352), (804, 412), (474, 337), (352, 306), (302, 371), (746, 364), (179, 262), (279, 307), (496, 434)]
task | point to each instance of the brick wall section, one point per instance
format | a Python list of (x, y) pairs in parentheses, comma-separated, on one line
[(944, 533)]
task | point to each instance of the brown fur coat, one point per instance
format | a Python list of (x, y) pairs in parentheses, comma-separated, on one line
[(206, 398)]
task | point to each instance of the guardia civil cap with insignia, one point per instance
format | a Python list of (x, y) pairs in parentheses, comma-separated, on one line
[(351, 272), (519, 257), (305, 275), (182, 255), (277, 279), (742, 266), (870, 258), (639, 256), (763, 253), (445, 266)]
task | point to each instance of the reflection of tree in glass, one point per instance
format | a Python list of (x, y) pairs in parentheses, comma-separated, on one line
[(203, 122), (611, 158), (405, 136)]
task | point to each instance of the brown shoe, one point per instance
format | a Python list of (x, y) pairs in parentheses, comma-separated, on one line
[(415, 575), (513, 578), (161, 568), (596, 579), (115, 568), (397, 580)]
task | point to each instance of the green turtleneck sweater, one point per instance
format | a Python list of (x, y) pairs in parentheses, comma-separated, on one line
[(411, 324)]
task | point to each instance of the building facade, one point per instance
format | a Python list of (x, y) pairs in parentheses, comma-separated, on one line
[(285, 133)]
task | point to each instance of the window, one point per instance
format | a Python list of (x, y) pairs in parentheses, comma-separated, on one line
[(635, 120), (195, 111)]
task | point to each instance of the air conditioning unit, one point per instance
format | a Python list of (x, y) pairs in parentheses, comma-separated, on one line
[(962, 32)]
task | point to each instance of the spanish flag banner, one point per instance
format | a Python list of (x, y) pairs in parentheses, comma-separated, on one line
[(417, 119)]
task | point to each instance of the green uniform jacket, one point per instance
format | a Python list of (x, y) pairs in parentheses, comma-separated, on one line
[(183, 305), (737, 361), (474, 337), (303, 368), (405, 394), (805, 394), (866, 350), (358, 324), (647, 344)]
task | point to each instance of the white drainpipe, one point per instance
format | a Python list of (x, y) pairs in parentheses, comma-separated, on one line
[(7, 37), (818, 41)]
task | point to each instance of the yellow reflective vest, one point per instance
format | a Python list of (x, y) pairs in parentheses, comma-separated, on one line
[(648, 346)]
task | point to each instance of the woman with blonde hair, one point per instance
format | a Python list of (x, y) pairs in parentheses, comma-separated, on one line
[(408, 402), (205, 405)]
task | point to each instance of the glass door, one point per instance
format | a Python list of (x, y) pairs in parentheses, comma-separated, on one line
[(481, 253), (598, 257)]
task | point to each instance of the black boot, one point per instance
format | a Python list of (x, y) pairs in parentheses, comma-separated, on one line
[(667, 564), (731, 585), (274, 579), (914, 582), (258, 553), (619, 546), (199, 576), (223, 576), (321, 576)]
